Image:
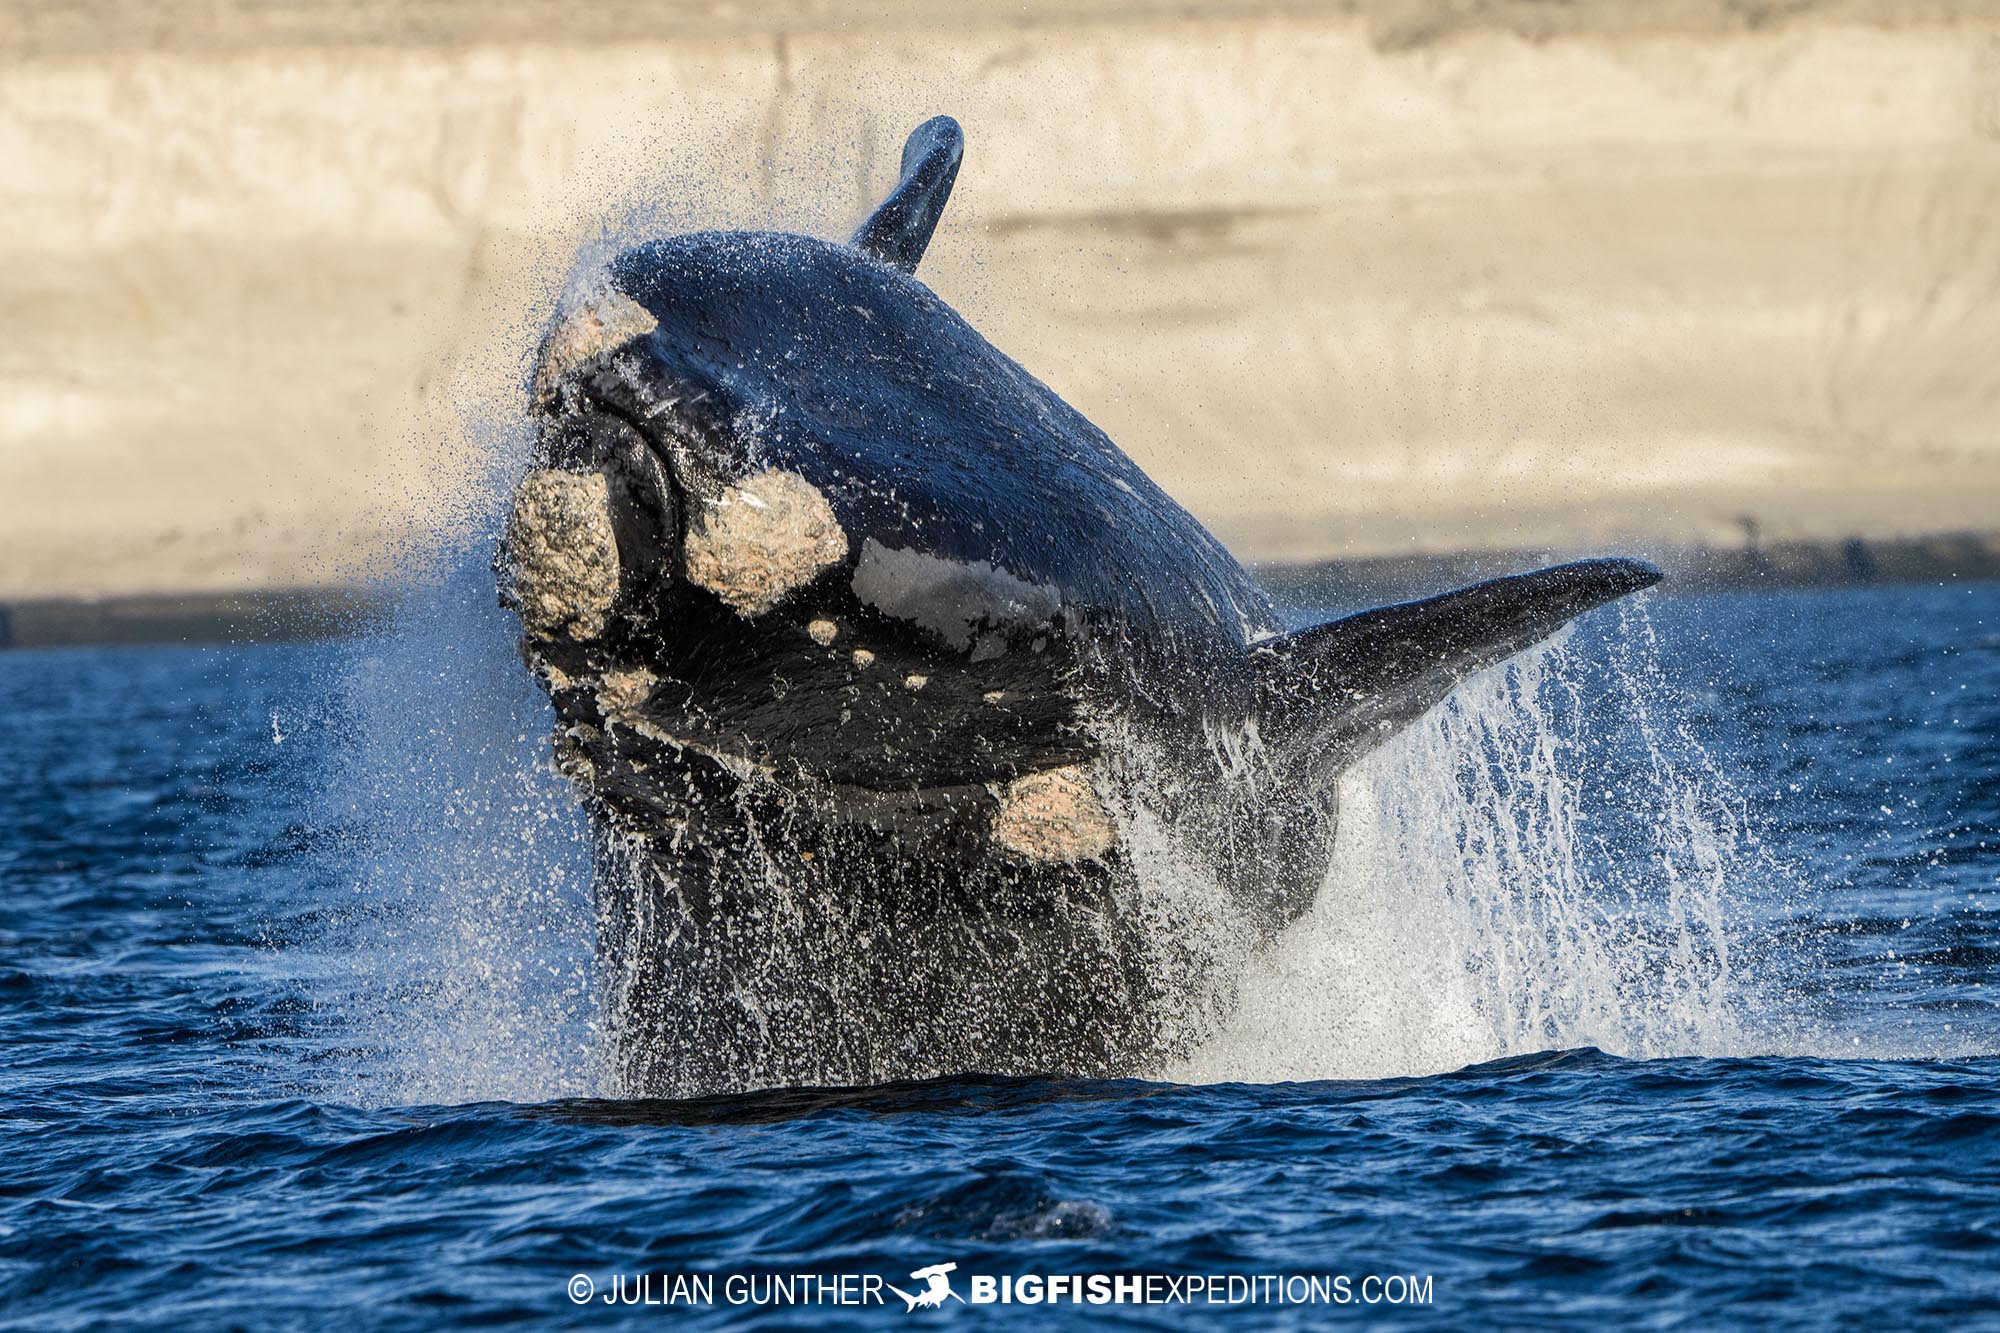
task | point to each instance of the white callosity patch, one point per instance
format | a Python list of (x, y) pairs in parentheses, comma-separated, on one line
[(604, 322), (823, 632), (1053, 816), (621, 694), (953, 599), (564, 564), (762, 538)]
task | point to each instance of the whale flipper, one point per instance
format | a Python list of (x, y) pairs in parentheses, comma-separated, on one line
[(1333, 692), (900, 230)]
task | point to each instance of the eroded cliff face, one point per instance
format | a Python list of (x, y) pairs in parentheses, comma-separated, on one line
[(1342, 281)]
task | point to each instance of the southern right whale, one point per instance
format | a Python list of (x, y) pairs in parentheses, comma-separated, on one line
[(871, 657)]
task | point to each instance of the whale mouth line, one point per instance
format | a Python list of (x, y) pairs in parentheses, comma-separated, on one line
[(1050, 815), (962, 812), (796, 779)]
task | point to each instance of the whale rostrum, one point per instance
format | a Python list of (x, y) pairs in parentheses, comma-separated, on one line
[(919, 731)]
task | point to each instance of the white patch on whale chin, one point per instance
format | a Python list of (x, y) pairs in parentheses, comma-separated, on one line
[(765, 536), (564, 559), (622, 694), (952, 599), (1054, 815), (603, 321)]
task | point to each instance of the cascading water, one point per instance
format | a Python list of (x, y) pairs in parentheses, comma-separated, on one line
[(1546, 861), (462, 969)]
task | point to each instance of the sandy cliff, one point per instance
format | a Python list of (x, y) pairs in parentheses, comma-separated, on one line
[(1347, 279)]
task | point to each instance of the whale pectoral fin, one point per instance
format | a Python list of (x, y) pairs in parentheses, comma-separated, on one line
[(1331, 693), (900, 230)]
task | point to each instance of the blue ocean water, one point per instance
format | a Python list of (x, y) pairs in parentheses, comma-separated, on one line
[(1653, 984)]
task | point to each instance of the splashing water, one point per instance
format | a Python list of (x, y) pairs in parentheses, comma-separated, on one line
[(463, 970), (469, 976), (1547, 860), (1540, 863)]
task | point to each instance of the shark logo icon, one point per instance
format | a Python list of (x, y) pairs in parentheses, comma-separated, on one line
[(933, 1295)]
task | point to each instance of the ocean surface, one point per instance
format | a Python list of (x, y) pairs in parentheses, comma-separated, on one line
[(1653, 984)]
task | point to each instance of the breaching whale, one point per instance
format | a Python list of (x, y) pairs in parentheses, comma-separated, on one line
[(869, 656)]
